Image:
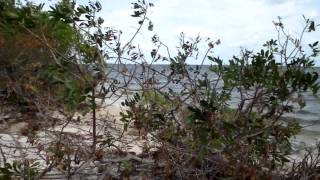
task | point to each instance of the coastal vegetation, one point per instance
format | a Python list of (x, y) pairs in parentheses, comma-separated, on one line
[(56, 61)]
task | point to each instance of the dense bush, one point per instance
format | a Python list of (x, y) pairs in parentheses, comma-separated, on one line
[(202, 136), (57, 60), (44, 59)]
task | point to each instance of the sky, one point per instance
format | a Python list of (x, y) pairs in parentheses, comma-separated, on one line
[(237, 23)]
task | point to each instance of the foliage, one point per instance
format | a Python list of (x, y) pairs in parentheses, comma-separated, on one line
[(214, 138), (39, 54), (56, 60), (25, 170), (308, 166)]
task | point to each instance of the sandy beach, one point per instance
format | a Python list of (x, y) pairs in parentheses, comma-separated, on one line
[(76, 133)]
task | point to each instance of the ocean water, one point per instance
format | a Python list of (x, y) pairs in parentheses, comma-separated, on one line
[(308, 116)]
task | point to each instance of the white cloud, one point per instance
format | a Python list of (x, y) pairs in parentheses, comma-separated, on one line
[(315, 14), (245, 23), (238, 23), (194, 31)]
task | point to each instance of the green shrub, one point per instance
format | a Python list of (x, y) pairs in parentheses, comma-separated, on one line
[(208, 139)]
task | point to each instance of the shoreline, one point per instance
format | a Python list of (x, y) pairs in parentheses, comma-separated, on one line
[(79, 130)]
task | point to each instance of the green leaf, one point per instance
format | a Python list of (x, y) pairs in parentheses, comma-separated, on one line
[(100, 20), (82, 9), (12, 15), (150, 27)]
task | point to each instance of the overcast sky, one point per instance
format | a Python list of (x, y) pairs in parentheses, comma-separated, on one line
[(237, 23)]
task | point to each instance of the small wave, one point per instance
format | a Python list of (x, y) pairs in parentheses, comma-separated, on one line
[(310, 132), (303, 122), (315, 122), (304, 111), (302, 117)]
